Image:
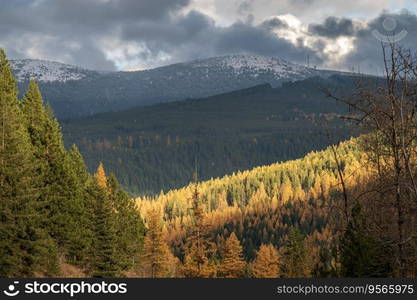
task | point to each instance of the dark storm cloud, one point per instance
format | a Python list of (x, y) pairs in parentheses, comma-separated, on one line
[(333, 27), (367, 53), (274, 23), (195, 35), (78, 31), (242, 37), (71, 30)]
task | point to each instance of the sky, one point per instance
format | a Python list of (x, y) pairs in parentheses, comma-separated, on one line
[(126, 34)]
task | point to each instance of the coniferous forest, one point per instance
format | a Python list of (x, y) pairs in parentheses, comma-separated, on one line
[(346, 211)]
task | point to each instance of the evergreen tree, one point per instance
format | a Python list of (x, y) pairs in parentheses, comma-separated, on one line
[(103, 253), (233, 264), (328, 264), (81, 238), (361, 254), (128, 224), (296, 259), (61, 190), (24, 246), (266, 264)]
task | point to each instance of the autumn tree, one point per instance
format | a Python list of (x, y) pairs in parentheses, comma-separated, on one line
[(266, 263), (233, 264), (196, 261), (156, 254), (387, 112), (101, 176)]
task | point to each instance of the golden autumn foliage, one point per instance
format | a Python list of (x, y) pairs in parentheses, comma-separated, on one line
[(157, 257), (262, 205), (196, 261), (233, 264), (101, 177), (266, 264)]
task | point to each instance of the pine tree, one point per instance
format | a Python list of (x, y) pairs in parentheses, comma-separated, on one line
[(156, 254), (328, 264), (103, 255), (233, 264), (296, 260), (128, 224), (23, 242), (266, 264), (61, 190), (81, 238), (361, 254)]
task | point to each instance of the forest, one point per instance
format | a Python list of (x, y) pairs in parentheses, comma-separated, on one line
[(155, 148), (346, 211)]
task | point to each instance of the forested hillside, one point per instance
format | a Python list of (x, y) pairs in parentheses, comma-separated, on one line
[(56, 218), (156, 148), (288, 219), (346, 211), (263, 205)]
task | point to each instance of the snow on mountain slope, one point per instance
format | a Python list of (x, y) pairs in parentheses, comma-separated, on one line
[(47, 71), (73, 91), (256, 64)]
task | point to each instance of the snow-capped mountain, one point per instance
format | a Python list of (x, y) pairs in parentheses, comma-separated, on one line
[(255, 65), (47, 71), (74, 91)]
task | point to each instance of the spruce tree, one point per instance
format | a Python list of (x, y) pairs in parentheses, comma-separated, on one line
[(103, 254), (266, 264), (296, 259), (361, 254), (233, 264), (24, 245), (61, 189), (128, 224), (81, 238)]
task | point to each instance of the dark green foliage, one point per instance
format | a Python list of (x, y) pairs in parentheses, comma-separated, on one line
[(128, 225), (50, 206), (327, 266), (362, 255), (154, 148), (103, 252), (296, 260), (61, 189), (23, 241)]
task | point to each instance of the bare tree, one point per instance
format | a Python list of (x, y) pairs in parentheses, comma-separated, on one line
[(387, 111)]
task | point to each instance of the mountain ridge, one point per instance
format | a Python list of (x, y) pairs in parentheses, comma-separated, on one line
[(84, 92)]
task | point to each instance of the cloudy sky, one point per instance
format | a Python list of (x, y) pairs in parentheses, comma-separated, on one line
[(120, 34)]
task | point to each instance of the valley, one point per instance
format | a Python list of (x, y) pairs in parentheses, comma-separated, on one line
[(158, 147)]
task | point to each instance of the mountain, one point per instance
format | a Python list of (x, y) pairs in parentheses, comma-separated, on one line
[(157, 147), (47, 71), (74, 92)]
